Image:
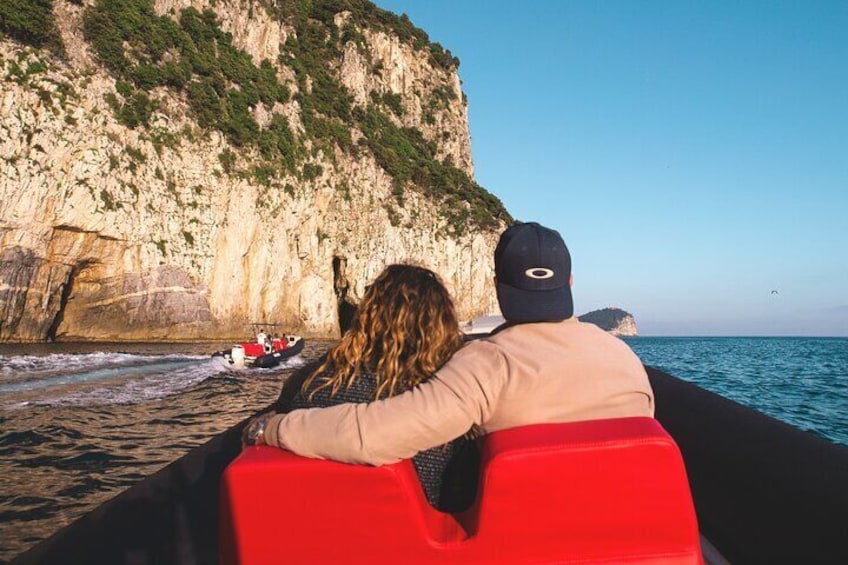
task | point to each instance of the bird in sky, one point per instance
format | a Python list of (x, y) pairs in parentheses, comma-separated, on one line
[(775, 292)]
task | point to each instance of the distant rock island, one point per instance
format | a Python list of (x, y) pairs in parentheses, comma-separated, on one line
[(613, 320)]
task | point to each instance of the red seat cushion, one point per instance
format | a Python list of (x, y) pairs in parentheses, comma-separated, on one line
[(253, 349), (600, 490), (278, 506), (606, 490)]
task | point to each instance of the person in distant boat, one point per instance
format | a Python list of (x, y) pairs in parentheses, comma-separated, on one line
[(404, 329), (269, 342), (542, 366), (263, 340)]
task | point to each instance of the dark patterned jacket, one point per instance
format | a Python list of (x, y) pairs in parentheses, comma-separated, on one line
[(430, 465)]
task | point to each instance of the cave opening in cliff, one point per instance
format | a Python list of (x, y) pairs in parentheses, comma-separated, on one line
[(67, 290), (340, 285)]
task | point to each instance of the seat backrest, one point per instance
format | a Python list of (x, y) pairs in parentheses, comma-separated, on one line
[(605, 490), (278, 506), (253, 349)]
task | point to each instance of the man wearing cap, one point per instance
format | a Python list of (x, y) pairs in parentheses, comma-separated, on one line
[(542, 366)]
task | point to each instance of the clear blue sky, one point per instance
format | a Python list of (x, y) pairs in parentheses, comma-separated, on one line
[(694, 155)]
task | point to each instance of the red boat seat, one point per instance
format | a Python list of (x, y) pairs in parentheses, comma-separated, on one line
[(612, 491), (253, 349)]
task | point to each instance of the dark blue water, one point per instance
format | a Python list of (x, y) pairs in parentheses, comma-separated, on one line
[(79, 423), (802, 381)]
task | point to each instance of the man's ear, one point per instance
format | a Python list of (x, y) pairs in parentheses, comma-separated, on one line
[(571, 280)]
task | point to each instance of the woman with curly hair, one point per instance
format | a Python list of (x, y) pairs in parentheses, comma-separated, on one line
[(404, 329)]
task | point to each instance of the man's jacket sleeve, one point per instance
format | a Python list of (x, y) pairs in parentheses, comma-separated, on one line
[(462, 393)]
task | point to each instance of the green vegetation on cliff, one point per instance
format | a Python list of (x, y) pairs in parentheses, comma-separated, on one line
[(189, 54), (192, 56), (409, 158), (30, 22), (364, 13)]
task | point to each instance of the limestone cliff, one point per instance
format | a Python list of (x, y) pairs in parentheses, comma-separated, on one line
[(177, 169), (612, 320)]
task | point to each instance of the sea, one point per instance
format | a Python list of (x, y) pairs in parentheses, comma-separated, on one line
[(80, 423)]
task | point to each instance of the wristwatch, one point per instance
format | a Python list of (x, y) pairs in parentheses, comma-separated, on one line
[(255, 432)]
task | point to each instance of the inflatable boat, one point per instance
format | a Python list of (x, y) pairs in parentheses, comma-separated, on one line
[(762, 492), (261, 355)]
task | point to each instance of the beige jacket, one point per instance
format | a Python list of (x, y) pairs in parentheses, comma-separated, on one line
[(526, 374)]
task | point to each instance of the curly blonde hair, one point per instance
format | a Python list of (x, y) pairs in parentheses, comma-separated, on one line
[(404, 329)]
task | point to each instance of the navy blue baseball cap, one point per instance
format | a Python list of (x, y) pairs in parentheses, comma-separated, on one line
[(533, 269)]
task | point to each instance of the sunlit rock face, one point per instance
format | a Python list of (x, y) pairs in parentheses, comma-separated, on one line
[(112, 232)]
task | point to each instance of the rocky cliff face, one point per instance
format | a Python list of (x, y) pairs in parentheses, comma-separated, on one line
[(613, 320), (191, 189)]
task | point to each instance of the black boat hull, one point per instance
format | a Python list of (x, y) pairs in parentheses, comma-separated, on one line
[(277, 357), (267, 361), (764, 492)]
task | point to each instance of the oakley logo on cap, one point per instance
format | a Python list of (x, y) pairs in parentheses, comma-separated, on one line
[(539, 273)]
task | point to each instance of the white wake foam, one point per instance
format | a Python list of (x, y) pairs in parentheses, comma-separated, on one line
[(100, 378), (116, 377)]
